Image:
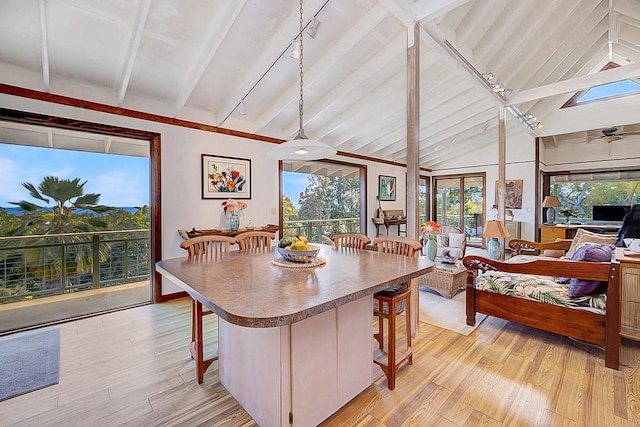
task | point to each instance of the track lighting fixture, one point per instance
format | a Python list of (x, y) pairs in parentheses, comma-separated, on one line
[(301, 147), (243, 109), (313, 28), (295, 49)]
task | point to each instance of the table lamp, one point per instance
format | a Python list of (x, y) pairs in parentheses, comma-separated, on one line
[(551, 202), (494, 230)]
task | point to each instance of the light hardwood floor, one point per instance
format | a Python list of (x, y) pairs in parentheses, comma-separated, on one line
[(133, 368)]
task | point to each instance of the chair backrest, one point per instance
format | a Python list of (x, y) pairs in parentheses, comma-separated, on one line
[(207, 244), (445, 230), (630, 227), (350, 240), (254, 239), (399, 245)]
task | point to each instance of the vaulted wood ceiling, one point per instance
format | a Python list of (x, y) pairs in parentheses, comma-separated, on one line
[(197, 60)]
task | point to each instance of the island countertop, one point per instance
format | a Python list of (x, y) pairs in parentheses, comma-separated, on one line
[(245, 288)]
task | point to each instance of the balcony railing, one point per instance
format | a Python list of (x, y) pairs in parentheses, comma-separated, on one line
[(319, 230), (53, 264)]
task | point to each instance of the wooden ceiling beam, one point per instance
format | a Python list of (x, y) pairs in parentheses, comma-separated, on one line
[(44, 44), (134, 46), (579, 83)]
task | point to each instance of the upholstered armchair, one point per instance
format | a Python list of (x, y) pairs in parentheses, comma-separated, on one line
[(451, 239)]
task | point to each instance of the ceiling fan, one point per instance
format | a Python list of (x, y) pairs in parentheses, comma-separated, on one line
[(612, 134)]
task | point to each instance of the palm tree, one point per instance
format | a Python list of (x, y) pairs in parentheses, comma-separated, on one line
[(69, 214)]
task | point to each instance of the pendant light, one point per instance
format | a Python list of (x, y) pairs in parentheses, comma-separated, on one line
[(301, 147)]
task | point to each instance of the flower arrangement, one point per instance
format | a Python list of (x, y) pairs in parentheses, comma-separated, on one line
[(227, 181), (232, 207), (428, 229)]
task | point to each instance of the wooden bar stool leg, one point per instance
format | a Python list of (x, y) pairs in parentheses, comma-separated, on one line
[(394, 361), (380, 335), (193, 328), (408, 325), (391, 358), (197, 345)]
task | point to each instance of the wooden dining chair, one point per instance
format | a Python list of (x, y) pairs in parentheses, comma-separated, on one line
[(350, 240), (203, 245), (255, 239), (391, 302)]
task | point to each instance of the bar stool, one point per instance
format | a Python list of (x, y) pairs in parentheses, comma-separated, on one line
[(391, 302), (200, 246)]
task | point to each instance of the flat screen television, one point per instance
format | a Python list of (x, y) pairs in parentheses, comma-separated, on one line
[(610, 212)]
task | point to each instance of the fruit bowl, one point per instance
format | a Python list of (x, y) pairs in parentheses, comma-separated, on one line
[(299, 256)]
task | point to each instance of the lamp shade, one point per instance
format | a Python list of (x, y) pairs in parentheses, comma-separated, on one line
[(301, 149), (495, 229), (551, 202)]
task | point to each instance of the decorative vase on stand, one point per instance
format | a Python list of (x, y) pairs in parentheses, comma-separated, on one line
[(234, 222), (429, 250)]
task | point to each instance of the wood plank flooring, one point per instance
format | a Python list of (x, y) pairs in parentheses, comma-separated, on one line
[(133, 368)]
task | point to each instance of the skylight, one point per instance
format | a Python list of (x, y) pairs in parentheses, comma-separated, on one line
[(606, 91), (624, 87)]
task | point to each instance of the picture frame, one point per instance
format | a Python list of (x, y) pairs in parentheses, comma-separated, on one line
[(386, 188), (513, 194), (225, 177)]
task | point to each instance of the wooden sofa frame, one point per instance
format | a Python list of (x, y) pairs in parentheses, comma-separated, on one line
[(599, 329)]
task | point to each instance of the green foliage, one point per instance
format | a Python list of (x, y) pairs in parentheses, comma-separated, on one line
[(289, 211), (68, 211), (323, 198), (580, 197)]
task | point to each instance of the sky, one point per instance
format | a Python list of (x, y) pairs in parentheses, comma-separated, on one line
[(294, 184), (121, 181)]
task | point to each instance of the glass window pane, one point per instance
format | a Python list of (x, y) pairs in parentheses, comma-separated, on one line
[(320, 199), (448, 202), (473, 206), (579, 193)]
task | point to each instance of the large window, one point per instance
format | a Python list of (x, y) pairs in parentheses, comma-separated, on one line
[(580, 192), (322, 198), (459, 202)]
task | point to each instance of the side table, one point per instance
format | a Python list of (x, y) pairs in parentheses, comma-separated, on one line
[(446, 279)]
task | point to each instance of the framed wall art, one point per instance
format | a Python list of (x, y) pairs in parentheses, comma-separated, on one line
[(225, 177), (386, 188), (513, 194)]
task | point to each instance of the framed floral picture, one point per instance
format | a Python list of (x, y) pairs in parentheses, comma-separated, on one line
[(225, 177), (387, 187)]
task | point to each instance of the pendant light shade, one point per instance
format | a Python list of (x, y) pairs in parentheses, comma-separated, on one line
[(301, 147)]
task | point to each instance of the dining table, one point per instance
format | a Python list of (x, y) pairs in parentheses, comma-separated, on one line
[(294, 340)]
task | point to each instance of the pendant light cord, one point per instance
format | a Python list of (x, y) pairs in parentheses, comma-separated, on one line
[(301, 134)]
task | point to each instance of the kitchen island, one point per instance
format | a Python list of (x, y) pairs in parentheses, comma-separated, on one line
[(294, 343)]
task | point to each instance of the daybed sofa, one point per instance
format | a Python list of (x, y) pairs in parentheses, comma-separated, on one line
[(525, 290)]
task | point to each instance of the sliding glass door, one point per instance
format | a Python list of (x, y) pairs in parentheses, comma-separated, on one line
[(459, 202)]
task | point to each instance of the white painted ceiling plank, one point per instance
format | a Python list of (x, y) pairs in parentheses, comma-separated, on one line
[(205, 58), (335, 53)]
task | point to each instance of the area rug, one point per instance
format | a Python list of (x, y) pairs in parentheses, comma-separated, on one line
[(29, 361), (446, 313)]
